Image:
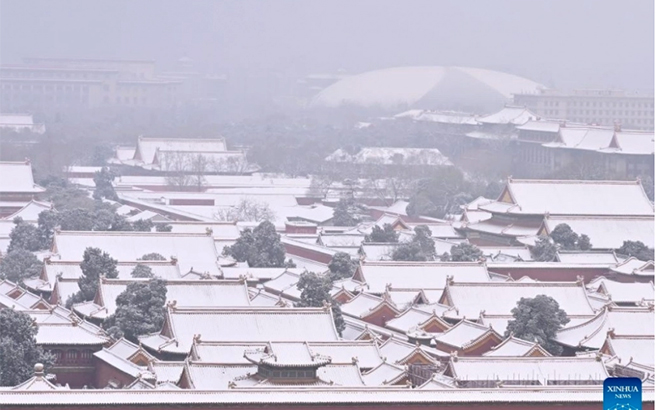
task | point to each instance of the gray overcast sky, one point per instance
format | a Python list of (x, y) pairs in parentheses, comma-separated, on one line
[(561, 43)]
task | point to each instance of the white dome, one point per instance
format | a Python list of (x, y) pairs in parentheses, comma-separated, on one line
[(425, 87)]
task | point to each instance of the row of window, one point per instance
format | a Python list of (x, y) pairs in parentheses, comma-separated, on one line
[(607, 121), (72, 356), (54, 74), (611, 104), (613, 112), (26, 87)]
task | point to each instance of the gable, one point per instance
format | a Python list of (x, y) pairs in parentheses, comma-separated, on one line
[(506, 196)]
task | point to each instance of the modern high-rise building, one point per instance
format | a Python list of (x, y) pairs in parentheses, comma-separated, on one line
[(598, 107)]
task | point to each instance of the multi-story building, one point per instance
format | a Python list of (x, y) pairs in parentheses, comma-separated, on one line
[(45, 83), (600, 107)]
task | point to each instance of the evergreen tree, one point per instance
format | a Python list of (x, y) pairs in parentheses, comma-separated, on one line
[(537, 320), (142, 271), (143, 225), (103, 181), (342, 215), (260, 248), (153, 256), (564, 236), (95, 264), (140, 310), (544, 250), (636, 249), (46, 224), (386, 234), (464, 252), (18, 347), (341, 266), (163, 227), (315, 292), (23, 236), (79, 219), (584, 243), (20, 264), (420, 248), (441, 194)]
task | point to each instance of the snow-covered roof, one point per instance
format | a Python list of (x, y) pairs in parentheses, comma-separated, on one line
[(123, 365), (635, 267), (423, 87), (540, 125), (365, 352), (619, 292), (587, 257), (515, 347), (572, 197), (418, 275), (372, 251), (211, 376), (513, 228), (587, 138), (535, 370), (16, 177), (256, 274), (514, 252), (31, 211), (363, 304), (463, 333), (186, 293), (640, 349), (384, 374), (285, 284), (608, 232), (195, 252), (442, 117), (634, 143), (147, 147), (59, 326), (71, 269), (250, 324), (392, 156), (341, 240), (499, 298), (624, 322), (39, 382), (218, 230), (414, 316), (509, 115)]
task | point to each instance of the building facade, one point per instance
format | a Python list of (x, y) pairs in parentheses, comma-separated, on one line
[(601, 107), (47, 83)]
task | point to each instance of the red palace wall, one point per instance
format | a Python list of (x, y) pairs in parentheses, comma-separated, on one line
[(105, 373), (535, 406), (308, 253), (549, 274)]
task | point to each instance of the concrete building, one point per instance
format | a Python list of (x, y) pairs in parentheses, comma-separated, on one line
[(47, 83), (602, 107)]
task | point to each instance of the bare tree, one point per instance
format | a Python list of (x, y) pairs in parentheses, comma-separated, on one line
[(320, 186), (176, 165), (247, 210), (199, 164)]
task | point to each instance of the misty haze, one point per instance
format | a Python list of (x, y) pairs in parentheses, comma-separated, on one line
[(327, 204)]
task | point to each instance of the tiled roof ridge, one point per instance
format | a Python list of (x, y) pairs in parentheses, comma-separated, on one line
[(142, 138), (129, 233), (573, 181), (245, 309)]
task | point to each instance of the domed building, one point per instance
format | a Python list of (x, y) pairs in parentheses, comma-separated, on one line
[(433, 88)]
